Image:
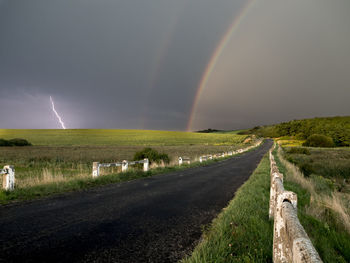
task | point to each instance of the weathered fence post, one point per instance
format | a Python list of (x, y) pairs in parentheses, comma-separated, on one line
[(8, 181), (301, 247), (125, 166), (95, 169), (146, 165)]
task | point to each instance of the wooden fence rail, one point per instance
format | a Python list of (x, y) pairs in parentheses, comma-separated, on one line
[(290, 241)]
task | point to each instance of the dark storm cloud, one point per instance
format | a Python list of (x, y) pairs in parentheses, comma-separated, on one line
[(97, 57), (137, 64)]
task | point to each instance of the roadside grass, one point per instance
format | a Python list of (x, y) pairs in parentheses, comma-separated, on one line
[(31, 187), (242, 232), (76, 137), (44, 164), (322, 210)]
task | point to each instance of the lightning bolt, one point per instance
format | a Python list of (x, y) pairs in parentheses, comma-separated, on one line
[(58, 116)]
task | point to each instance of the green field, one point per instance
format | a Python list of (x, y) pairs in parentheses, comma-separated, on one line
[(78, 137)]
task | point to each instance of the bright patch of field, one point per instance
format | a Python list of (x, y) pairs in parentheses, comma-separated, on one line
[(288, 141), (120, 137)]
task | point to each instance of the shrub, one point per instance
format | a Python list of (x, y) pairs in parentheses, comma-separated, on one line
[(19, 142), (299, 150), (319, 140), (4, 142), (14, 142), (152, 155)]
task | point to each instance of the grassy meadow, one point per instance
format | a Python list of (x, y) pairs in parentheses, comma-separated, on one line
[(64, 156)]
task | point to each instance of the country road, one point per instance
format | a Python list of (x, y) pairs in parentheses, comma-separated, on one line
[(157, 219)]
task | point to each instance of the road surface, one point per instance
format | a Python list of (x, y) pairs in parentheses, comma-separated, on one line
[(156, 219)]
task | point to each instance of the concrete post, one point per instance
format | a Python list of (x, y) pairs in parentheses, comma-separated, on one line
[(95, 169), (125, 166), (146, 165), (200, 159), (8, 182), (180, 160)]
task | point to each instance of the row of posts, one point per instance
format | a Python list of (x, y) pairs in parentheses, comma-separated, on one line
[(186, 160), (124, 165), (290, 241)]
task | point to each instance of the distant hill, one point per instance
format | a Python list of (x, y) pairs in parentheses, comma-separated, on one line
[(338, 128), (209, 131)]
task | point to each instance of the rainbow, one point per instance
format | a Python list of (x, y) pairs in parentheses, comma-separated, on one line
[(214, 59)]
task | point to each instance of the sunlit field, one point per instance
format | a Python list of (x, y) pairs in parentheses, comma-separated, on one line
[(120, 137)]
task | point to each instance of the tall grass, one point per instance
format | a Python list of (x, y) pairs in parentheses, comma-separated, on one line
[(320, 200), (333, 200)]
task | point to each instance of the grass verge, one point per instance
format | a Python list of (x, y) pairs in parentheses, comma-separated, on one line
[(81, 183), (243, 231)]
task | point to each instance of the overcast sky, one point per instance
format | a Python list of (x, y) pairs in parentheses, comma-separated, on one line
[(135, 64)]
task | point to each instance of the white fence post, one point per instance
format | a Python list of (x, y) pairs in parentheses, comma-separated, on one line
[(200, 159), (146, 165), (95, 169), (8, 181), (125, 166), (180, 160)]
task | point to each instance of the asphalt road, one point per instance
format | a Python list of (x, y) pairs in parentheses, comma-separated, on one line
[(157, 219)]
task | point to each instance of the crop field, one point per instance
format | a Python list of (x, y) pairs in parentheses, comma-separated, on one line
[(62, 155), (89, 137)]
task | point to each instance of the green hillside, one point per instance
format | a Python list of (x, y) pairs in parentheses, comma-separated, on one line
[(338, 128)]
